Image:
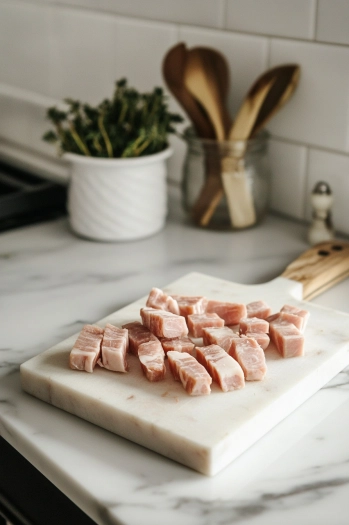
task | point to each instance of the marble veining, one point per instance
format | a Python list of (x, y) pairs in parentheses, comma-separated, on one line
[(52, 282)]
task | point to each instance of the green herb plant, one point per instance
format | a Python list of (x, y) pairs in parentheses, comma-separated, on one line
[(131, 124)]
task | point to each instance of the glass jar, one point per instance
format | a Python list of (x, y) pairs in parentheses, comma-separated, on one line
[(226, 184)]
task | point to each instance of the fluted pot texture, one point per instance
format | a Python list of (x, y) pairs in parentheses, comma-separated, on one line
[(117, 199)]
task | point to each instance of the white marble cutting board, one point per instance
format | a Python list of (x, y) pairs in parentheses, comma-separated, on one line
[(205, 433)]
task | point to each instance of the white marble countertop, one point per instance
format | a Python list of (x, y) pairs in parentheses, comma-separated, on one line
[(51, 283)]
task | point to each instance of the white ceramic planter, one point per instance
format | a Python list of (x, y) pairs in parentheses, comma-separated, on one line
[(117, 199)]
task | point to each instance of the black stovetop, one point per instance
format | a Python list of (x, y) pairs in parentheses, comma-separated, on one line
[(27, 198)]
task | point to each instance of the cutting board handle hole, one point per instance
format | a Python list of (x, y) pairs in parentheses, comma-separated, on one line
[(337, 247), (323, 252)]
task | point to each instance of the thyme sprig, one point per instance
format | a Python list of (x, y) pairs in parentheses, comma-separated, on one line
[(130, 124)]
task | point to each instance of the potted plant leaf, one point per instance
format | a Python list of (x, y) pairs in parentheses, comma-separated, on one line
[(117, 151)]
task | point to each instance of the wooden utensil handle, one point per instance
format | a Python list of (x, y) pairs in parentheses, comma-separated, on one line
[(210, 196), (320, 267), (211, 192)]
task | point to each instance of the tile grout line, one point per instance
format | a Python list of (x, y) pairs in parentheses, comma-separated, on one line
[(168, 22), (51, 43), (310, 146), (224, 14), (305, 182), (40, 100), (315, 19), (46, 101), (178, 33), (269, 44)]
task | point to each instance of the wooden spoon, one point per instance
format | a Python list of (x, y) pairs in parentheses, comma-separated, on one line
[(266, 96), (220, 69), (207, 78), (239, 196), (213, 190), (173, 69), (200, 78), (283, 88)]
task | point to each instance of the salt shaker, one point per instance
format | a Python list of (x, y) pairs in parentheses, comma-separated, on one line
[(321, 228)]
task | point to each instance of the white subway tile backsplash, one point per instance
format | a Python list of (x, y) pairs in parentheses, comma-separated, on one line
[(82, 55), (36, 115), (208, 13), (24, 44), (139, 48), (332, 168), (287, 18), (318, 112), (246, 55), (14, 124), (35, 1), (78, 48), (288, 167), (175, 163), (50, 168), (23, 119), (333, 21)]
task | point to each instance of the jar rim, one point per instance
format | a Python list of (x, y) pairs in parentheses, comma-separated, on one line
[(189, 134)]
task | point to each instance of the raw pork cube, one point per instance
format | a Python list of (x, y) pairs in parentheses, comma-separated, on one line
[(250, 357), (180, 344), (164, 324), (230, 312), (194, 377), (152, 359), (190, 304), (158, 299), (287, 338), (87, 348), (272, 317), (262, 339), (253, 324), (288, 317), (258, 309), (114, 348), (197, 322), (219, 336), (138, 334), (303, 314), (221, 366)]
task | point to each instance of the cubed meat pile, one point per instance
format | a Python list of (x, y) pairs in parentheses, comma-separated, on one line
[(234, 337)]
